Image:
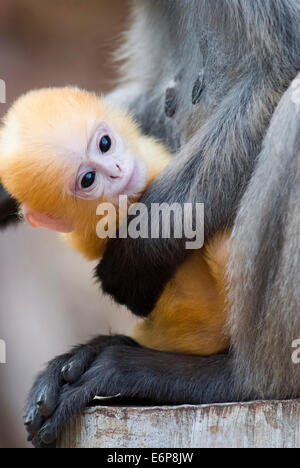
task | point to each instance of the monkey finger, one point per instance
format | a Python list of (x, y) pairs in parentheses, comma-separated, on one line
[(39, 407), (78, 364), (72, 371), (44, 395), (53, 401), (47, 399), (100, 379), (71, 404), (82, 358), (33, 422)]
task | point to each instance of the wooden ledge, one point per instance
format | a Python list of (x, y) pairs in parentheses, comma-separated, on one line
[(271, 424)]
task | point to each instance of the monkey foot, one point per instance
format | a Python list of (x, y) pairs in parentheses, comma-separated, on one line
[(69, 383)]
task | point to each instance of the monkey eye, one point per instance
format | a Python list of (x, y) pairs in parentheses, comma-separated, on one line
[(87, 180), (105, 144)]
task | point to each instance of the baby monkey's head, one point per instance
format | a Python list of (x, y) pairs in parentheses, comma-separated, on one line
[(64, 150)]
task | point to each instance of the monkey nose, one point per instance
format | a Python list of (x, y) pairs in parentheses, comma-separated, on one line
[(116, 174)]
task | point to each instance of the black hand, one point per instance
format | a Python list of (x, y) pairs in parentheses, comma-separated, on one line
[(65, 369), (112, 365)]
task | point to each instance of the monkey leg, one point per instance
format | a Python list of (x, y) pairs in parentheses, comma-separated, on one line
[(111, 365)]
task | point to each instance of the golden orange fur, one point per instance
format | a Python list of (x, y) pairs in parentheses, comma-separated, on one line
[(37, 137), (190, 316), (37, 129)]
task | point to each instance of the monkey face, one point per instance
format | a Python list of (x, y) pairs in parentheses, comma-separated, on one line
[(108, 168), (60, 157)]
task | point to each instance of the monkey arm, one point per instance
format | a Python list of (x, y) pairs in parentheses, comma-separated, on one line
[(118, 365), (207, 170), (245, 68)]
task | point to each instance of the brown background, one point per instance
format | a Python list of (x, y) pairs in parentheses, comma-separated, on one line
[(48, 300)]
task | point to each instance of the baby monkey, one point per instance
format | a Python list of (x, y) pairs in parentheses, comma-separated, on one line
[(63, 151)]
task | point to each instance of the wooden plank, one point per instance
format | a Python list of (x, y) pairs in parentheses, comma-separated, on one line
[(272, 424)]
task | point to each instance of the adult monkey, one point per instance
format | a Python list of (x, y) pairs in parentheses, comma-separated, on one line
[(212, 88)]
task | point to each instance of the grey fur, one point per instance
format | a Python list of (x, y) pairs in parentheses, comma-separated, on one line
[(249, 51), (265, 265)]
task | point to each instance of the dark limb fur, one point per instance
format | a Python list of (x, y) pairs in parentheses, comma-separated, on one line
[(109, 366)]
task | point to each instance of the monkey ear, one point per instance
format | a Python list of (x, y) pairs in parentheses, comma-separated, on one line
[(36, 220)]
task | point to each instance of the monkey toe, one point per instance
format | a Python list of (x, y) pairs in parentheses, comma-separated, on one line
[(97, 380), (79, 363), (72, 402), (73, 370), (83, 357), (33, 421), (67, 385), (44, 396), (47, 400)]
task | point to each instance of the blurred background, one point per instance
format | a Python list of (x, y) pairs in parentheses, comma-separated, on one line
[(48, 299)]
